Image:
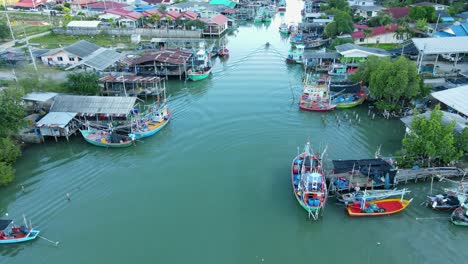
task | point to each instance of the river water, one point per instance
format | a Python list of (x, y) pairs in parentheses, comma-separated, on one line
[(214, 185)]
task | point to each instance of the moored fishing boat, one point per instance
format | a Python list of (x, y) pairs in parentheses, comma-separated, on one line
[(284, 29), (201, 67), (377, 207), (282, 6), (341, 70), (459, 217), (316, 97), (296, 54), (10, 233), (110, 139), (223, 52), (348, 100), (308, 182), (152, 122)]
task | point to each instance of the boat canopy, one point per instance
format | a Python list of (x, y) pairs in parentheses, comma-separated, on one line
[(348, 87), (4, 223)]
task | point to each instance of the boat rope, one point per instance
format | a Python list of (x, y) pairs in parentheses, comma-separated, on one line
[(48, 240)]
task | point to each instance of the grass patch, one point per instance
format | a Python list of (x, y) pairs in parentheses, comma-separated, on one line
[(55, 40), (18, 31), (384, 46)]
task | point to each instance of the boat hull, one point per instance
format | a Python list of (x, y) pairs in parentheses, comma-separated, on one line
[(199, 76), (31, 236), (149, 133), (391, 206), (459, 217), (317, 109), (350, 104), (86, 133)]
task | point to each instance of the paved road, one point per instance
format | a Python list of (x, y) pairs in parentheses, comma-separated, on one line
[(10, 44)]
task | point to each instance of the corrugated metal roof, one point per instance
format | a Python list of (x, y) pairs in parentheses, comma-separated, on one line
[(56, 119), (93, 104), (447, 118), (39, 96), (442, 45), (455, 98), (371, 51), (84, 24), (81, 48), (100, 60)]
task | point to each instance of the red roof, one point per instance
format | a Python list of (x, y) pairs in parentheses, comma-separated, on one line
[(218, 20), (173, 14), (106, 5), (358, 26), (171, 56), (125, 13), (29, 3), (83, 2), (229, 11), (397, 12), (190, 15), (375, 31), (151, 12)]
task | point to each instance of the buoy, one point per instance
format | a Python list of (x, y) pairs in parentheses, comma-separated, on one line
[(378, 243), (68, 196)]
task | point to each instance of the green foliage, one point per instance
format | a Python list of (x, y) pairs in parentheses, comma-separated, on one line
[(421, 12), (154, 18), (431, 141), (162, 9), (9, 151), (7, 173), (338, 4), (58, 8), (457, 7), (340, 41), (421, 24), (197, 23), (342, 24), (83, 83), (67, 5), (4, 30), (11, 112), (380, 20), (392, 82), (462, 140)]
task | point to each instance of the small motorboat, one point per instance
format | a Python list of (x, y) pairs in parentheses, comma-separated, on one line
[(442, 202), (10, 233), (460, 216), (371, 195)]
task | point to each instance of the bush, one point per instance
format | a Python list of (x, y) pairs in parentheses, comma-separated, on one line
[(9, 151), (7, 174)]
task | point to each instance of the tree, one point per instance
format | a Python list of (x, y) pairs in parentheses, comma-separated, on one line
[(197, 23), (367, 32), (340, 41), (431, 141), (154, 18), (421, 12), (84, 83), (7, 173), (380, 20), (162, 9), (9, 151), (421, 24), (462, 140), (342, 23), (4, 30), (11, 112), (393, 83), (338, 4)]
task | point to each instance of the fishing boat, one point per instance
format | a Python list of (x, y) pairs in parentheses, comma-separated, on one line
[(377, 207), (282, 6), (312, 44), (214, 52), (316, 97), (348, 100), (341, 70), (151, 122), (308, 182), (284, 29), (459, 217), (372, 195), (10, 233), (104, 138), (443, 202), (296, 55), (201, 67)]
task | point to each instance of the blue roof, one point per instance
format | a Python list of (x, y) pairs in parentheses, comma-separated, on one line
[(460, 30), (144, 8)]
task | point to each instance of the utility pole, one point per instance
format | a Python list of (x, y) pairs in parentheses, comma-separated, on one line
[(30, 52), (8, 20)]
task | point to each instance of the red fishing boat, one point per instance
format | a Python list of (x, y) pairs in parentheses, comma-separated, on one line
[(316, 96), (223, 52), (378, 207)]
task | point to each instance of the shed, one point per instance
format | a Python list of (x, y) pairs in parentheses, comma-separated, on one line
[(455, 98), (83, 24), (350, 50), (39, 96), (57, 124), (94, 105), (100, 59)]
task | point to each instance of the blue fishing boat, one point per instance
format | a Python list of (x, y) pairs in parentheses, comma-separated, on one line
[(151, 123), (10, 233)]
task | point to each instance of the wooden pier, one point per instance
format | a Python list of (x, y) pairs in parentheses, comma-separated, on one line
[(422, 174)]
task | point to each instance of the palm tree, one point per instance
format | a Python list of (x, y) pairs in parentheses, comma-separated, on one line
[(367, 33)]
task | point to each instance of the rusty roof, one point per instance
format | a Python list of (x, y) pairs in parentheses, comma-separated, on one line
[(171, 56)]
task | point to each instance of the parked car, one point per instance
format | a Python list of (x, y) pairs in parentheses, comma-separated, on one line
[(452, 57)]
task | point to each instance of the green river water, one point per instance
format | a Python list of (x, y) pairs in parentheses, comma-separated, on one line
[(214, 185)]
